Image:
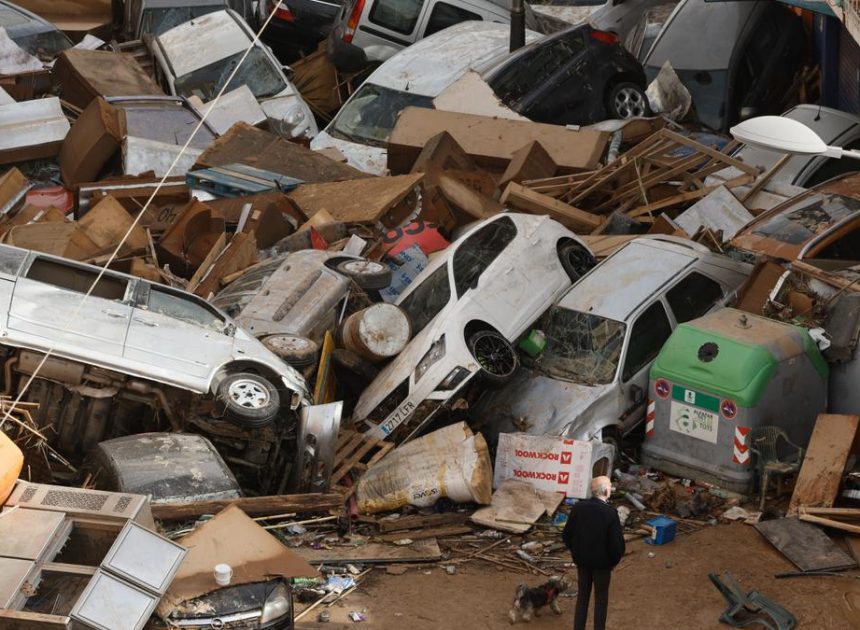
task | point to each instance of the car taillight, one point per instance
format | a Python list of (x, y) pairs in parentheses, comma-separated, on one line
[(283, 13), (352, 23), (605, 37)]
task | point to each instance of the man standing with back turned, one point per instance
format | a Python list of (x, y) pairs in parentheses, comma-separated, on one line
[(593, 535)]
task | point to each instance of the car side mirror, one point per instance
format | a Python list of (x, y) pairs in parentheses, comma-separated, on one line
[(637, 394)]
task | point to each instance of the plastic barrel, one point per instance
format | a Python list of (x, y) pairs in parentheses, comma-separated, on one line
[(376, 333)]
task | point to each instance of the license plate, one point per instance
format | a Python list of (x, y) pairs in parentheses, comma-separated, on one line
[(397, 418), (694, 421)]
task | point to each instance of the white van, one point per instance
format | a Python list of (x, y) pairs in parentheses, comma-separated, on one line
[(412, 78), (371, 31)]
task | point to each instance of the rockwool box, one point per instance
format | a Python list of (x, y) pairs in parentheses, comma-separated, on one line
[(551, 463)]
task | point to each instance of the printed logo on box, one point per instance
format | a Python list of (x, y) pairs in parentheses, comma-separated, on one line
[(563, 478), (566, 457)]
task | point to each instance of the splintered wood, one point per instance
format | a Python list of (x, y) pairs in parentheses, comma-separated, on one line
[(667, 170), (353, 449)]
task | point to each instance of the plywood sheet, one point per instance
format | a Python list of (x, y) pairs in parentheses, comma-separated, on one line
[(805, 545), (821, 473), (375, 553)]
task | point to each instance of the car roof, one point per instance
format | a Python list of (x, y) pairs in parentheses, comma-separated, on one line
[(681, 39), (833, 126), (185, 45), (617, 286), (432, 64)]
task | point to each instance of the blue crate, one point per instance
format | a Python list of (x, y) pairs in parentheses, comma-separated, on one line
[(664, 530), (238, 180)]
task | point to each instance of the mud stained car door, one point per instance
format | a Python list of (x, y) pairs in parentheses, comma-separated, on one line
[(46, 309), (178, 335)]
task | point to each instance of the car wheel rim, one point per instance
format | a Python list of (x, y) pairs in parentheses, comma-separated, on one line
[(629, 103), (494, 355), (579, 261), (248, 394), (363, 267)]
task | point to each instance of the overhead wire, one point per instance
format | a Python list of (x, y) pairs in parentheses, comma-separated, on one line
[(73, 318)]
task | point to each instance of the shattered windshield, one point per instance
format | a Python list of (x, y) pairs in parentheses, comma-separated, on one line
[(370, 114), (430, 297), (158, 21), (808, 218), (581, 348), (258, 72)]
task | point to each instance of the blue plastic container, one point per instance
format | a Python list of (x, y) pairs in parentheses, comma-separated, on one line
[(664, 529)]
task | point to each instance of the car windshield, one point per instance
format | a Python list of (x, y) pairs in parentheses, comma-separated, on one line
[(158, 21), (581, 347), (428, 299), (808, 218), (258, 72), (44, 44), (370, 114)]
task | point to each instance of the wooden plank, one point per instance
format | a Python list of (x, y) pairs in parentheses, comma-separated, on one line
[(849, 513), (829, 522), (384, 447), (207, 263), (348, 465), (416, 521), (253, 506), (521, 198), (374, 553), (65, 567), (433, 532), (21, 620), (805, 545), (239, 254), (821, 473)]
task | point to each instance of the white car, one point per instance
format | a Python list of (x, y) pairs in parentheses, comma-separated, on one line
[(197, 57), (411, 78), (466, 308)]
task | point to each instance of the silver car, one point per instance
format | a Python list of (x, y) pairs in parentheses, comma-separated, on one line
[(143, 330)]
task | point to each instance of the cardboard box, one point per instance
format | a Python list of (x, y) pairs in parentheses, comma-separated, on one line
[(548, 462), (92, 141), (492, 142)]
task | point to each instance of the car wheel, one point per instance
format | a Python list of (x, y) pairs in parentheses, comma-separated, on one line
[(612, 435), (248, 400), (627, 100), (367, 274), (299, 352), (575, 259), (495, 355)]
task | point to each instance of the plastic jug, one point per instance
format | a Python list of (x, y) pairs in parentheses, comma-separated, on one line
[(11, 462)]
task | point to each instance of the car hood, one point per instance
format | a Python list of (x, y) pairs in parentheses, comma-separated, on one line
[(547, 405), (373, 160), (278, 107)]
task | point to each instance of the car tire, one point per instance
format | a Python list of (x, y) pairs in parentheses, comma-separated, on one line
[(364, 371), (626, 100), (575, 259), (367, 274), (496, 356), (612, 435), (298, 352), (248, 400)]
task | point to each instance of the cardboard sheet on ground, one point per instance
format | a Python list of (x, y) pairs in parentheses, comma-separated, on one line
[(806, 545), (516, 506), (233, 538), (470, 94), (451, 462), (549, 462)]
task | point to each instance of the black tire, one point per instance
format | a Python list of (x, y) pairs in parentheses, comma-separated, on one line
[(367, 274), (248, 400), (612, 435), (364, 371), (496, 356), (299, 352), (575, 259), (626, 100)]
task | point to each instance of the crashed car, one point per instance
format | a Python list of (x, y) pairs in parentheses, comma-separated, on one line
[(37, 36), (196, 59), (154, 17), (466, 308), (589, 382), (135, 353), (578, 76)]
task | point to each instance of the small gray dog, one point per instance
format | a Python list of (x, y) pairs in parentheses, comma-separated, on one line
[(529, 601)]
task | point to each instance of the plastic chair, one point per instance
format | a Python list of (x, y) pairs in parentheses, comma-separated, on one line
[(753, 608), (764, 442)]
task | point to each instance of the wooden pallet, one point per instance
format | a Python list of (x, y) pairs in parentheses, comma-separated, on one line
[(352, 449)]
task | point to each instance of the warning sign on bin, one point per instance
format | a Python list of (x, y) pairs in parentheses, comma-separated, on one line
[(549, 463)]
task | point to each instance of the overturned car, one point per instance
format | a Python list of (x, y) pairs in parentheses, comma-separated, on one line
[(466, 308), (108, 354)]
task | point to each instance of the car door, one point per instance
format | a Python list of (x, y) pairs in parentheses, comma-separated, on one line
[(649, 332), (49, 309), (176, 334)]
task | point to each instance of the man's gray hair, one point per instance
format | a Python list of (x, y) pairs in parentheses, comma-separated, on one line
[(601, 486)]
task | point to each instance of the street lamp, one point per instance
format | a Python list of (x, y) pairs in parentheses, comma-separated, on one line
[(776, 133)]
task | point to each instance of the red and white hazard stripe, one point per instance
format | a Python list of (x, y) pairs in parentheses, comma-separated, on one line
[(649, 418), (741, 454)]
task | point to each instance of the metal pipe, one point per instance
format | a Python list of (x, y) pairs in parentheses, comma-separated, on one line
[(10, 363), (518, 25)]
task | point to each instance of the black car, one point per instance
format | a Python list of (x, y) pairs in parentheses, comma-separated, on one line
[(298, 26), (575, 77), (32, 33)]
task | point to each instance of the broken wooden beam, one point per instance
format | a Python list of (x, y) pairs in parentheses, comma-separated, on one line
[(432, 532), (521, 198), (417, 521), (253, 506)]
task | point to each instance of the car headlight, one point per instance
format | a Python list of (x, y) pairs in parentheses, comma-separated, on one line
[(436, 352), (277, 604)]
